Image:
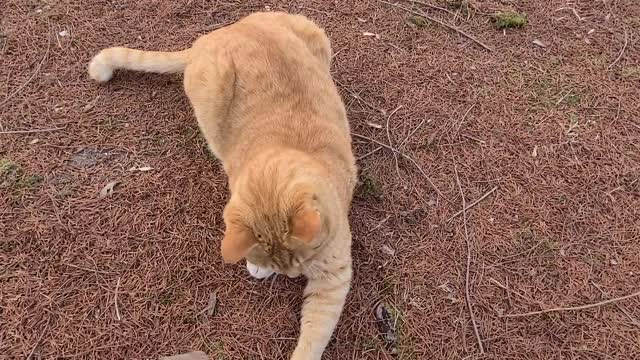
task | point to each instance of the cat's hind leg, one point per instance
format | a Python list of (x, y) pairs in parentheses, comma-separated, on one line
[(209, 82)]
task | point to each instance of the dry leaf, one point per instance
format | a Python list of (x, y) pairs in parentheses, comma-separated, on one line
[(64, 33), (108, 189), (539, 43), (142, 169), (362, 20), (387, 250), (374, 125), (34, 141), (534, 153)]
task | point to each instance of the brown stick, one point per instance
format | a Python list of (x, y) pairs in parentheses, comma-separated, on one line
[(468, 267), (461, 32), (473, 203), (404, 142), (435, 188), (624, 311), (369, 153), (30, 131), (395, 156), (115, 300), (624, 47), (573, 308)]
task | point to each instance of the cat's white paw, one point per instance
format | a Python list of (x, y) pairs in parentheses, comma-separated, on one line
[(258, 272), (99, 69)]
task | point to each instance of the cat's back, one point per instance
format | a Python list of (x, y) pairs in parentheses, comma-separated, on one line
[(282, 89), (275, 56)]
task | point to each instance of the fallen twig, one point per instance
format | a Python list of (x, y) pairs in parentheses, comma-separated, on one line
[(115, 300), (30, 131), (379, 224), (624, 47), (404, 142), (473, 203), (573, 308), (468, 267), (435, 188), (35, 72), (461, 32), (624, 311), (464, 117), (395, 156), (369, 153)]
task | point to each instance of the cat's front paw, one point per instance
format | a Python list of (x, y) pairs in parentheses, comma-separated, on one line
[(302, 353), (258, 272)]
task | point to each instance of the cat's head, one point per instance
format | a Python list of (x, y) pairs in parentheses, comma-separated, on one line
[(275, 220)]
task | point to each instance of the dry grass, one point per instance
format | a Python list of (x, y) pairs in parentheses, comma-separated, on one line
[(561, 230)]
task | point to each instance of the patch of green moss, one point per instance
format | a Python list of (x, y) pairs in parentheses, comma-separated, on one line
[(573, 99), (509, 19), (630, 72), (417, 21), (13, 177), (369, 187)]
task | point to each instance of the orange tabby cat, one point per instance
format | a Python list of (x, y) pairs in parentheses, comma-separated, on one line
[(265, 101)]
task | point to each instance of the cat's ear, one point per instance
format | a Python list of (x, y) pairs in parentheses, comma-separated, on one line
[(306, 224), (236, 244)]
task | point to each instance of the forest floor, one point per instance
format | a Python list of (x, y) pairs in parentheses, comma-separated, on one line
[(540, 122)]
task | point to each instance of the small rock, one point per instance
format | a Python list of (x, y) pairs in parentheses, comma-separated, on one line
[(386, 324), (195, 355), (388, 250), (108, 189), (64, 33), (366, 33), (539, 43)]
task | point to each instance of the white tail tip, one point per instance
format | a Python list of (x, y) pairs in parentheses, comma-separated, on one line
[(99, 70)]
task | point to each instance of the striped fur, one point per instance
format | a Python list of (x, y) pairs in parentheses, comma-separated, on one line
[(265, 101)]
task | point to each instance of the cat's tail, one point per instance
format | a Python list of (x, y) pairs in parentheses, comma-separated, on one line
[(106, 61)]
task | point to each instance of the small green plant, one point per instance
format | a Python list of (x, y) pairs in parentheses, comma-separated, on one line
[(573, 99), (369, 187), (509, 20), (416, 21), (217, 350), (6, 166), (167, 297), (14, 177), (369, 344), (630, 72)]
